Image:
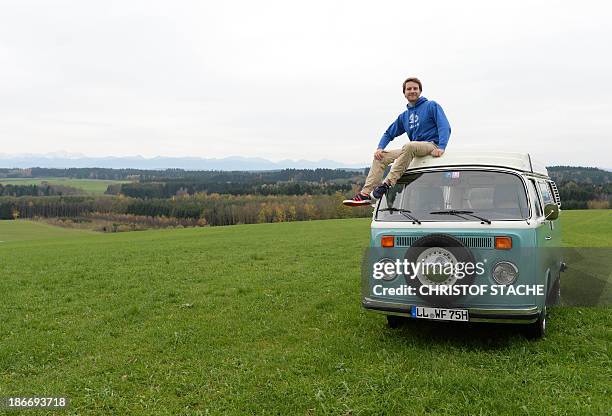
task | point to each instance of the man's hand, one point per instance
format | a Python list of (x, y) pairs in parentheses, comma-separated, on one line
[(378, 154), (437, 152)]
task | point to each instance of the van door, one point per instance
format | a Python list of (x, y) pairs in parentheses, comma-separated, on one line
[(542, 238), (547, 234), (546, 193), (553, 243)]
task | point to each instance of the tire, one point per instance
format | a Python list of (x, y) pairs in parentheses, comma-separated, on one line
[(394, 321), (426, 246), (537, 329)]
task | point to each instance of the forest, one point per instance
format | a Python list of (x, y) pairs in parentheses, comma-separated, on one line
[(176, 197)]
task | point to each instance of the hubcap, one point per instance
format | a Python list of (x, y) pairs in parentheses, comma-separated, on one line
[(437, 267)]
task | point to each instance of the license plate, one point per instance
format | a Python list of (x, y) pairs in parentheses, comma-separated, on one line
[(440, 314)]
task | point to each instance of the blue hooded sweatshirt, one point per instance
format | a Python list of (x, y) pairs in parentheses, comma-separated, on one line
[(423, 122)]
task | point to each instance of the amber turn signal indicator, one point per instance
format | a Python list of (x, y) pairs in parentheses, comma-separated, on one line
[(503, 243), (388, 241)]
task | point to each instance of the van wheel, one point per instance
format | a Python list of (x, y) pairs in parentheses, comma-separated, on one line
[(537, 329), (394, 321)]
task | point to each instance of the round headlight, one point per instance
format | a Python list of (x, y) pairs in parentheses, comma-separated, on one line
[(505, 273), (384, 269)]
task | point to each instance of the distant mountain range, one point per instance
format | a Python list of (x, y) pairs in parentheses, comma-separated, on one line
[(64, 160)]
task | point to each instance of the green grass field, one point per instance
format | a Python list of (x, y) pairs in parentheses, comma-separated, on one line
[(266, 319), (29, 231), (89, 186)]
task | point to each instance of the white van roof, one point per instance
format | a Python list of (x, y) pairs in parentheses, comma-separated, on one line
[(518, 161)]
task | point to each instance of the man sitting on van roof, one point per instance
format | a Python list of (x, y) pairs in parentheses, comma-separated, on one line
[(428, 130)]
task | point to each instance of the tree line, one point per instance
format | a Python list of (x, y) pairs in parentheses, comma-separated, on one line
[(212, 209), (43, 189), (147, 190), (225, 198)]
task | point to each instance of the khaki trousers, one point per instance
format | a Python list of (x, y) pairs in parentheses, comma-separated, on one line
[(402, 158)]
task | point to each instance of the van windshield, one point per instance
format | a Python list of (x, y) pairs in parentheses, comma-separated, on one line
[(454, 195)]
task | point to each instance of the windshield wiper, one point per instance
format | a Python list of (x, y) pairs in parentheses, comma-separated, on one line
[(461, 212), (404, 212)]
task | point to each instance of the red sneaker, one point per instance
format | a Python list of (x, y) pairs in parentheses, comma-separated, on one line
[(358, 200)]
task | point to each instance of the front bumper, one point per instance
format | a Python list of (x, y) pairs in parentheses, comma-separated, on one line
[(524, 315)]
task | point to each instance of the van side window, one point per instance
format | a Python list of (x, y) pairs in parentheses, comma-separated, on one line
[(546, 194), (536, 203), (555, 192)]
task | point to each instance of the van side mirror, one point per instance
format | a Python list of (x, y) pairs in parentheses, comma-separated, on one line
[(551, 211)]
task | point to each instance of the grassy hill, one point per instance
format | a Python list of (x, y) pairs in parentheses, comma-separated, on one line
[(88, 186), (29, 231), (267, 319)]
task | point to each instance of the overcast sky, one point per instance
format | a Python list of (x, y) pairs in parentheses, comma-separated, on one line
[(302, 80)]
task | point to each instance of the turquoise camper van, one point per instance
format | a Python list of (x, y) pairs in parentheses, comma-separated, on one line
[(467, 237)]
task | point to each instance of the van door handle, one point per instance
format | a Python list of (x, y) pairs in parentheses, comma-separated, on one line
[(548, 237)]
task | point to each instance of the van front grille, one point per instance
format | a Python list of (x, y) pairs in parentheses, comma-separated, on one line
[(468, 241), (477, 242), (405, 241)]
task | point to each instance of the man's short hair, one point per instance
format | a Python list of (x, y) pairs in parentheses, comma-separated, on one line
[(412, 79)]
